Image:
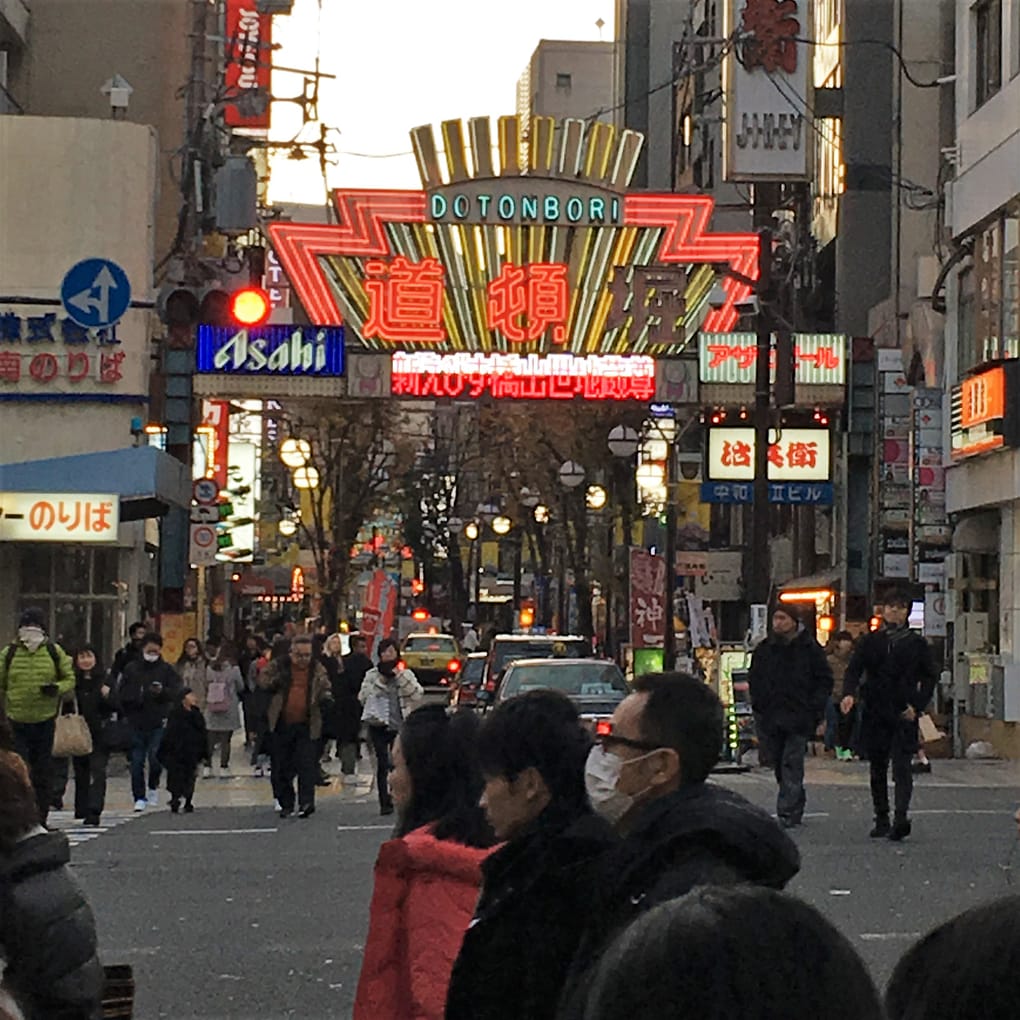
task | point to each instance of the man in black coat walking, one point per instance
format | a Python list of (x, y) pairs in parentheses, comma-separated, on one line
[(538, 888), (348, 708), (893, 673), (791, 682), (648, 776)]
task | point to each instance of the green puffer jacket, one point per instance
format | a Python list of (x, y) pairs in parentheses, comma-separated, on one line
[(19, 685)]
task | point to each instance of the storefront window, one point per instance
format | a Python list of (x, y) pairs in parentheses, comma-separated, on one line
[(71, 568), (1011, 283), (966, 325)]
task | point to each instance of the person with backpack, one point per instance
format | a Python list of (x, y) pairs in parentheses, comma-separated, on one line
[(223, 704), (35, 675)]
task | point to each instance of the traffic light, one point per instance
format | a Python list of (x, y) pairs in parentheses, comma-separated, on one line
[(250, 306)]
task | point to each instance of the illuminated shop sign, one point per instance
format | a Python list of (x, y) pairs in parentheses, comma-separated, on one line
[(59, 517), (523, 377), (792, 493), (270, 350), (729, 358), (985, 416), (521, 202), (501, 260), (795, 455)]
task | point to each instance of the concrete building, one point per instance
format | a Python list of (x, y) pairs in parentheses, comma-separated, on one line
[(982, 342), (567, 79)]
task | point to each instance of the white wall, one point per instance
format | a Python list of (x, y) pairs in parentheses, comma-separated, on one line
[(988, 174), (72, 189)]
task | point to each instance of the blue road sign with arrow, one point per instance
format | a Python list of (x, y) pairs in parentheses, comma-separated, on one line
[(95, 293)]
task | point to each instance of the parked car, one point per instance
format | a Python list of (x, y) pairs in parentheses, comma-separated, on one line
[(595, 686), (507, 648), (435, 659), (469, 681)]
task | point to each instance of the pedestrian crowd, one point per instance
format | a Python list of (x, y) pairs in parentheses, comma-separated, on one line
[(535, 870)]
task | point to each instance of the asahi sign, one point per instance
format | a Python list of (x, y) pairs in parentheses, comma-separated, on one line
[(768, 81), (272, 350)]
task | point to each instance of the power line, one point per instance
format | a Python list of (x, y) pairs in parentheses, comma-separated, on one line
[(887, 46)]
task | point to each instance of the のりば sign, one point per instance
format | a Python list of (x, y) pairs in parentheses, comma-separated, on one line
[(59, 517)]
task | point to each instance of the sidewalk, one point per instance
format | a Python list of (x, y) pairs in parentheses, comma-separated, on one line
[(945, 772), (241, 789)]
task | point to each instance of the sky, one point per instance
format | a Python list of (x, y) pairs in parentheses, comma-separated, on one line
[(400, 64)]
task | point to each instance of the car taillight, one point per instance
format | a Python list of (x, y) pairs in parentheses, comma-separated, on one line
[(401, 665), (603, 728), (490, 685), (443, 681), (453, 666)]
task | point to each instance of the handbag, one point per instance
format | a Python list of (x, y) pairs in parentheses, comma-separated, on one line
[(72, 737), (116, 735), (377, 709), (927, 728)]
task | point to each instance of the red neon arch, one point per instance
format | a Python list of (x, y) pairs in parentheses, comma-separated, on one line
[(363, 215)]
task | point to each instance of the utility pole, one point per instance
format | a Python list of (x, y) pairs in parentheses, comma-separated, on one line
[(669, 632), (760, 577)]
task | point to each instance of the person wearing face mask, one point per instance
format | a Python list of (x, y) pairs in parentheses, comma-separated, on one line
[(150, 687), (538, 889), (35, 675), (389, 694), (648, 776)]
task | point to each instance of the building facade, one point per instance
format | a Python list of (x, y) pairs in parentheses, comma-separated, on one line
[(982, 342), (567, 78)]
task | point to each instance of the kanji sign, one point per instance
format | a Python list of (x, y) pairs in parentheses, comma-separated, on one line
[(729, 358), (59, 517), (795, 455), (523, 377), (524, 301), (46, 328), (647, 599), (768, 91), (984, 411)]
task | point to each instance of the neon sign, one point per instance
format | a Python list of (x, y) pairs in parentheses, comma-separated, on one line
[(795, 455), (418, 268), (270, 350), (523, 377), (820, 358)]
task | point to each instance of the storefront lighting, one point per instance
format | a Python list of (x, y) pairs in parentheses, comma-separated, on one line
[(155, 430), (650, 477), (820, 595), (295, 453)]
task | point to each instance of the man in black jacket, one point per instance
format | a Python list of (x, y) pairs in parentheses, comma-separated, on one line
[(348, 708), (648, 776), (150, 686), (131, 652), (538, 888), (892, 671), (790, 685)]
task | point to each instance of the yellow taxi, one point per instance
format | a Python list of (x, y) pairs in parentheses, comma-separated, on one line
[(435, 659)]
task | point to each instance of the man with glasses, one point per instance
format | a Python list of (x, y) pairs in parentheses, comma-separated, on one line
[(647, 775), (301, 691)]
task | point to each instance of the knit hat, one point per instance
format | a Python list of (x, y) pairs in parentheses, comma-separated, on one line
[(33, 617), (790, 609)]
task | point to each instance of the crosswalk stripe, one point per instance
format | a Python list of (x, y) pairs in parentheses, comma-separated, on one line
[(78, 834)]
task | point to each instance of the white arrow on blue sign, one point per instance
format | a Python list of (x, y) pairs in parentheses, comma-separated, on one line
[(95, 293)]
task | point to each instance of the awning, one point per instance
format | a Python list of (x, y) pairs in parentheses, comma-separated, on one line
[(147, 480)]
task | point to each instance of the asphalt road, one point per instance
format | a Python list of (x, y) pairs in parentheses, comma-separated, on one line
[(232, 913)]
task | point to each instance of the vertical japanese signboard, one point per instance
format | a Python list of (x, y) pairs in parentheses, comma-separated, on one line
[(247, 74), (378, 609), (931, 531), (647, 599)]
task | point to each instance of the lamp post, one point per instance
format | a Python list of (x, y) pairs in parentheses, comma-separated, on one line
[(623, 442), (471, 533), (571, 475)]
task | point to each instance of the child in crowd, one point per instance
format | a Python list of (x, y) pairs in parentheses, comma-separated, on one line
[(185, 746)]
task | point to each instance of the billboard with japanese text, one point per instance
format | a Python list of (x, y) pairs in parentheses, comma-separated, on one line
[(729, 358), (647, 599), (247, 70), (515, 251), (85, 518), (795, 455)]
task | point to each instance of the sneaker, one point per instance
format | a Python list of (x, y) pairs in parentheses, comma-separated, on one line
[(881, 829), (259, 772), (141, 805), (153, 798), (307, 811), (900, 829), (206, 771), (276, 806)]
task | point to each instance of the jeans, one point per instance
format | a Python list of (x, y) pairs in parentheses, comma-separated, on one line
[(145, 748), (34, 743), (382, 741), (787, 751), (295, 756), (895, 742)]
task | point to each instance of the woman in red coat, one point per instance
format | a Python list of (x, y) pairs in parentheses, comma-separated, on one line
[(427, 877)]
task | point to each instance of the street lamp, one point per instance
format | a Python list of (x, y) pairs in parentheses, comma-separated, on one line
[(541, 514), (471, 531), (571, 474), (623, 441), (306, 478), (295, 453), (287, 527), (529, 498), (455, 525), (501, 525), (488, 512), (596, 497)]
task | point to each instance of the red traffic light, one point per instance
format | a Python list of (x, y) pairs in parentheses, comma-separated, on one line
[(420, 614), (250, 306)]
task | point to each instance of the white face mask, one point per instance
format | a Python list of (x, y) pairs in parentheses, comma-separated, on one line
[(31, 637), (601, 774), (151, 656)]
